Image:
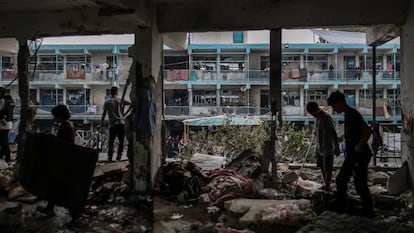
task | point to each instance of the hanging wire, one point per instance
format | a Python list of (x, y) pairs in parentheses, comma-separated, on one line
[(37, 47), (34, 55)]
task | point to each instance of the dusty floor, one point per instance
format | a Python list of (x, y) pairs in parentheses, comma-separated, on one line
[(113, 208), (22, 218)]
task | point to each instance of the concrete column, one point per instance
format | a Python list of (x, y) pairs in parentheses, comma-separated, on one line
[(384, 62), (302, 61), (218, 63), (145, 150), (276, 71), (302, 101), (275, 89), (190, 100), (25, 125), (218, 98), (407, 84), (357, 97), (356, 60)]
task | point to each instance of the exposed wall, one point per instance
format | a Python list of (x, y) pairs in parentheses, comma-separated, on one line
[(212, 38), (108, 39), (258, 37), (299, 36), (407, 84)]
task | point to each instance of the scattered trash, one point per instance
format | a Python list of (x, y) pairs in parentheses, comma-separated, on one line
[(176, 216)]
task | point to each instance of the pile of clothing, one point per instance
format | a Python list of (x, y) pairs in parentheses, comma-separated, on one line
[(226, 185)]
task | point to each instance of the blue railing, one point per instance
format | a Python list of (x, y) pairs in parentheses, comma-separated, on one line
[(287, 75)]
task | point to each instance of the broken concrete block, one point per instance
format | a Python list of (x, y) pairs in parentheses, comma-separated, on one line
[(242, 205), (400, 181), (11, 214), (308, 185), (289, 177), (387, 200), (273, 194), (376, 190), (16, 191), (3, 165), (4, 183), (379, 177), (208, 162)]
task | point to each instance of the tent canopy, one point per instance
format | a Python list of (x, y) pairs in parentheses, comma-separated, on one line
[(222, 120)]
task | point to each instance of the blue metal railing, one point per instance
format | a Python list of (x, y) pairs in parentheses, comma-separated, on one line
[(287, 75)]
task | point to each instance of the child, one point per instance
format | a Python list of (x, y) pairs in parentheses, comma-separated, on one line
[(61, 116), (65, 132)]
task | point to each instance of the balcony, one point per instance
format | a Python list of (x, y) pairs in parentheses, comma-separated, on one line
[(262, 76), (43, 111)]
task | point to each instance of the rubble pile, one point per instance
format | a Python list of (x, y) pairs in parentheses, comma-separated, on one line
[(241, 198), (111, 207)]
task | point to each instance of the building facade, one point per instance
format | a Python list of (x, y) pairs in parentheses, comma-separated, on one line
[(228, 72), (218, 73)]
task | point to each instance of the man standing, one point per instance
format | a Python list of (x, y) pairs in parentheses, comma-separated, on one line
[(327, 142), (6, 122), (114, 108), (357, 133)]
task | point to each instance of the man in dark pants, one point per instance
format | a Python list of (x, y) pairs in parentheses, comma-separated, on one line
[(6, 122), (116, 122), (326, 142), (357, 133)]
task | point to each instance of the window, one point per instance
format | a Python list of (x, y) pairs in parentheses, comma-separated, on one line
[(204, 98), (350, 97), (7, 63), (33, 97), (51, 63), (77, 99), (379, 93), (290, 62), (379, 62), (290, 97), (78, 62), (176, 97), (204, 62), (317, 95), (318, 62), (393, 103), (232, 62), (8, 68), (264, 62), (50, 98), (232, 97), (238, 37)]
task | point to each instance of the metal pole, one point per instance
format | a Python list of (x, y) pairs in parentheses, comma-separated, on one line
[(374, 94)]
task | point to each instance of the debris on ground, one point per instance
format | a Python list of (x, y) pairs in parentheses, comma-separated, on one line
[(240, 198)]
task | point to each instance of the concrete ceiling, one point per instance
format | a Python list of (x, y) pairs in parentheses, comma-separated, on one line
[(34, 18)]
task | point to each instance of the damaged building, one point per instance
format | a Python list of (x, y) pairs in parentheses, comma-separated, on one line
[(239, 71)]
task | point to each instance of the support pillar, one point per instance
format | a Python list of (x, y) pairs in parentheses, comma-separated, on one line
[(407, 84), (275, 90), (190, 99), (23, 58), (302, 101), (218, 99), (145, 150)]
